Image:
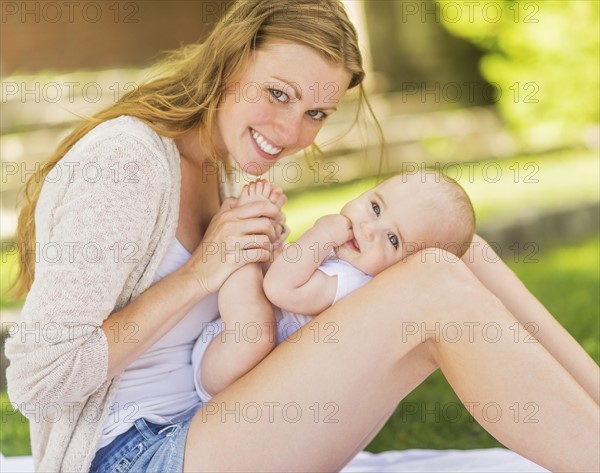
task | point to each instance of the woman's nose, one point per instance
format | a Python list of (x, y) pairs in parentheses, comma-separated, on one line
[(287, 128), (367, 230)]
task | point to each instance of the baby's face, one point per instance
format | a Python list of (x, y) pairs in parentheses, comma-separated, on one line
[(397, 218)]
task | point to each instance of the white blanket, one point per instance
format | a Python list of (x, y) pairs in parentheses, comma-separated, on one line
[(483, 460), (480, 461)]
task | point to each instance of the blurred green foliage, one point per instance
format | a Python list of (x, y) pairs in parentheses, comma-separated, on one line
[(8, 273), (542, 57)]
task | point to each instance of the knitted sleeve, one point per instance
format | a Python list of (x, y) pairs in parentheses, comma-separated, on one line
[(94, 221)]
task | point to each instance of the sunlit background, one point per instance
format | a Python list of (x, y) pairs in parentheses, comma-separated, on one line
[(501, 95)]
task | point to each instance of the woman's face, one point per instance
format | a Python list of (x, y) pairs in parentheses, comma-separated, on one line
[(278, 105)]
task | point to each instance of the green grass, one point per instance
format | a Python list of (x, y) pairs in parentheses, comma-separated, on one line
[(14, 430), (565, 279)]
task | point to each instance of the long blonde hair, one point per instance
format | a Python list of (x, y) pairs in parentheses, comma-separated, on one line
[(186, 86)]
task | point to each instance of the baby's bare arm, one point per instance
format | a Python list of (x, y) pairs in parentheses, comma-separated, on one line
[(293, 281)]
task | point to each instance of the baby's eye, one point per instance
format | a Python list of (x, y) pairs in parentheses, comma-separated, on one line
[(278, 95), (317, 115), (376, 208), (393, 240)]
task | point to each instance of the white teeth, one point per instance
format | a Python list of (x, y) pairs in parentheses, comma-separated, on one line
[(262, 144)]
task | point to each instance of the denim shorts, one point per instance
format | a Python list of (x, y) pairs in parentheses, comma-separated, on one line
[(145, 447)]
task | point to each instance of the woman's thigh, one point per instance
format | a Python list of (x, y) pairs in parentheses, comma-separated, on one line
[(406, 368), (317, 398)]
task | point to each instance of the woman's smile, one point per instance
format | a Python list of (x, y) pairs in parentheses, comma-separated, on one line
[(264, 146), (281, 120)]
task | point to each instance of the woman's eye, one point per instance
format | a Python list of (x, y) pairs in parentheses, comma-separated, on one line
[(278, 95), (394, 240), (317, 115), (376, 208)]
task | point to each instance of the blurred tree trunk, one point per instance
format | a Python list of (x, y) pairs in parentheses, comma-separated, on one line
[(409, 46)]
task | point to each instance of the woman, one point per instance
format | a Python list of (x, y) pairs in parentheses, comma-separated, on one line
[(152, 244)]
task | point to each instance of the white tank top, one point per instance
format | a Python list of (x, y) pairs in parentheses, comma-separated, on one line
[(159, 385)]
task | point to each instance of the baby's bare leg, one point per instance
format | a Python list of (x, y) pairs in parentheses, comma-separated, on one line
[(241, 298), (249, 333)]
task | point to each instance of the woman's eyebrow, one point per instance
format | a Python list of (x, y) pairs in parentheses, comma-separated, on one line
[(298, 92), (292, 85)]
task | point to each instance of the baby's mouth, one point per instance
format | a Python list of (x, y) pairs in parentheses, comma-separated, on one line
[(353, 244)]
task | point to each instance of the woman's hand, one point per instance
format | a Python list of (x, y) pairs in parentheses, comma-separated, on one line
[(281, 230), (261, 189), (236, 236)]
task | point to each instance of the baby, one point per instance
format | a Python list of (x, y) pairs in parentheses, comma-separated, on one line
[(339, 254)]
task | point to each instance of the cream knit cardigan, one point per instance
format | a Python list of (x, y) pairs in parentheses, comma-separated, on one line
[(105, 218)]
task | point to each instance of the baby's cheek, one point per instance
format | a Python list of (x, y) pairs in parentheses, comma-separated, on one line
[(381, 263)]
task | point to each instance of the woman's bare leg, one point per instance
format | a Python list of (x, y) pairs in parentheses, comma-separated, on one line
[(406, 369), (503, 283), (318, 398)]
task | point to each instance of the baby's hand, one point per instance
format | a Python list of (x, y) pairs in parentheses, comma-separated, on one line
[(336, 228)]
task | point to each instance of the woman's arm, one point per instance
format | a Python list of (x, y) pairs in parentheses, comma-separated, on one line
[(505, 285), (61, 352), (293, 282), (71, 339), (163, 305)]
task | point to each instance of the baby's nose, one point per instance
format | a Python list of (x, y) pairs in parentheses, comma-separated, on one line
[(367, 230)]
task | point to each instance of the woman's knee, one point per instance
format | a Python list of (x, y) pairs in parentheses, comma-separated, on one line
[(446, 287), (440, 268)]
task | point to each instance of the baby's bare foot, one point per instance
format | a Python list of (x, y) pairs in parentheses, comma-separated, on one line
[(261, 189)]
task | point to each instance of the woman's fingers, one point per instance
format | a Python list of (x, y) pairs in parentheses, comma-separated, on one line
[(248, 249), (251, 218), (235, 236), (261, 208), (257, 226), (254, 241), (227, 204)]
